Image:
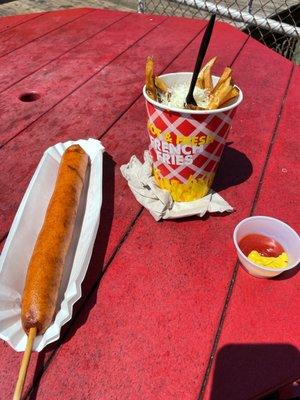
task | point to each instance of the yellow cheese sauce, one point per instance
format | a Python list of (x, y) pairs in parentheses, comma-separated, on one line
[(193, 189), (271, 262)]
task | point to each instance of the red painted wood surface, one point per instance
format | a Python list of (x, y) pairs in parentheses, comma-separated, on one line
[(259, 345), (9, 22), (159, 346), (147, 331), (87, 125), (88, 58), (125, 76), (42, 50), (16, 37)]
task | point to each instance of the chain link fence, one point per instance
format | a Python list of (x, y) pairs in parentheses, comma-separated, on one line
[(274, 23)]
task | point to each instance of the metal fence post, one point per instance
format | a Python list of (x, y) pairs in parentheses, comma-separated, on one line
[(141, 6)]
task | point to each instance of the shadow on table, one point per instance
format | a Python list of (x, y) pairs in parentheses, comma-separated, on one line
[(234, 168), (93, 276), (246, 369), (287, 274)]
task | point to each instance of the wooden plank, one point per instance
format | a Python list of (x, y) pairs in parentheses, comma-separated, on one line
[(259, 346), (284, 165), (159, 304), (85, 106), (41, 51), (88, 124), (20, 35), (14, 20), (224, 58), (59, 78)]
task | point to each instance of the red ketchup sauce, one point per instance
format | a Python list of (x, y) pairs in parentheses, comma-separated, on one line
[(264, 245)]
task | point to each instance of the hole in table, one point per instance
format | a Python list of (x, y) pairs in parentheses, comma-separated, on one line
[(29, 96)]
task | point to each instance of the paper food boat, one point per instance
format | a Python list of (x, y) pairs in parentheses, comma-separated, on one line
[(22, 236)]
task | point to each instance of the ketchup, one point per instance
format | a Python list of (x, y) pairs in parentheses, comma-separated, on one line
[(264, 245)]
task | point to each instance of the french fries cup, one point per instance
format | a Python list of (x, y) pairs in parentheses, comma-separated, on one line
[(186, 145)]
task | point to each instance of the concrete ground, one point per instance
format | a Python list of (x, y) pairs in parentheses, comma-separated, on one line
[(11, 7), (30, 6)]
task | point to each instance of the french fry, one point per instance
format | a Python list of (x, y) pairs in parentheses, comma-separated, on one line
[(192, 107), (231, 95), (200, 80), (161, 85), (225, 75), (150, 84), (221, 93), (207, 80)]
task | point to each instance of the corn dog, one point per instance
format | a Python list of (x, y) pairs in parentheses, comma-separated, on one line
[(46, 265)]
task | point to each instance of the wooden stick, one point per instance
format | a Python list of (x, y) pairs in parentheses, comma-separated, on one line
[(24, 364)]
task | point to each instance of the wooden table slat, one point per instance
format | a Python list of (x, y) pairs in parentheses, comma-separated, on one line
[(20, 35), (42, 51), (112, 89), (59, 78), (14, 20), (273, 343)]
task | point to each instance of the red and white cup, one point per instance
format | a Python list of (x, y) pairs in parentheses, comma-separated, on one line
[(186, 145)]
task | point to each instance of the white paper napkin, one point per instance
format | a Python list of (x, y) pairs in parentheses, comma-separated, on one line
[(158, 201)]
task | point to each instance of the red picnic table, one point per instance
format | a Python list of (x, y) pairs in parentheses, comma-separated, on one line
[(166, 311)]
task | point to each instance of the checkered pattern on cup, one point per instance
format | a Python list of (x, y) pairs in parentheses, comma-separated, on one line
[(167, 127), (186, 146)]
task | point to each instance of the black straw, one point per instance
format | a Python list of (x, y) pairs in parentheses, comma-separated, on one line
[(202, 51)]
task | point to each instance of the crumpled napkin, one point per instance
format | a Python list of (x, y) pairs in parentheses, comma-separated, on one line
[(158, 201)]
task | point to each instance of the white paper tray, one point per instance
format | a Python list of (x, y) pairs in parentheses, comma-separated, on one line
[(22, 236)]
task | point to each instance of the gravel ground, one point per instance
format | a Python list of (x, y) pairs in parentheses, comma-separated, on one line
[(10, 7), (30, 6)]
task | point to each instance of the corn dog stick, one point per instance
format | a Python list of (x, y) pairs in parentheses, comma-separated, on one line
[(24, 364)]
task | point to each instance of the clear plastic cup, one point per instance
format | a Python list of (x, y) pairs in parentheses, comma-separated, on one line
[(273, 228)]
